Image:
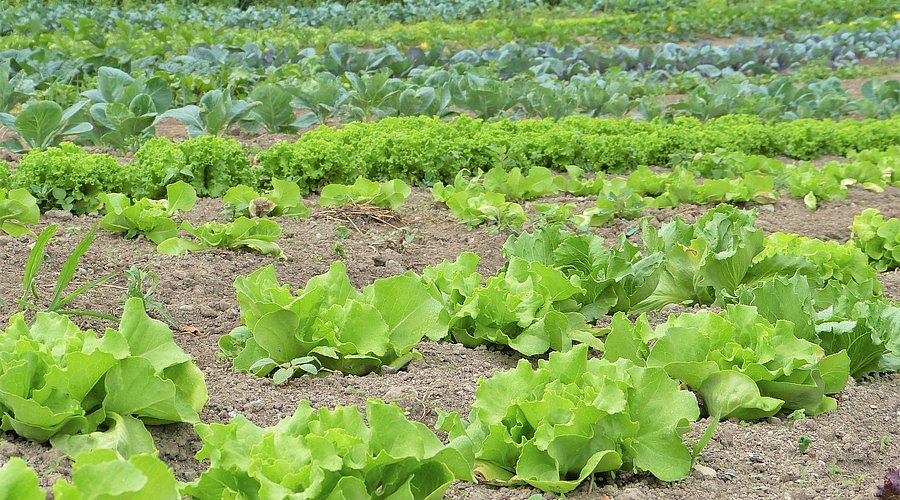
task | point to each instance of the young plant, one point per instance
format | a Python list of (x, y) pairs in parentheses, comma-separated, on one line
[(152, 219), (42, 124), (142, 285), (878, 238), (217, 113), (274, 112), (390, 194), (125, 108), (284, 199), (30, 297), (15, 90), (17, 208), (256, 234), (472, 205)]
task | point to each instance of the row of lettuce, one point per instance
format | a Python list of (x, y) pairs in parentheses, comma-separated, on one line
[(425, 151), (798, 318), (58, 73), (172, 32), (124, 112), (492, 197), (484, 199)]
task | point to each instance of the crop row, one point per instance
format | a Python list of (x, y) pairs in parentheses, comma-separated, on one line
[(675, 21), (202, 66), (123, 112), (491, 197), (428, 150), (799, 317)]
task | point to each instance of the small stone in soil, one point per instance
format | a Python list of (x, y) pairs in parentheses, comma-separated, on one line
[(208, 312), (704, 471)]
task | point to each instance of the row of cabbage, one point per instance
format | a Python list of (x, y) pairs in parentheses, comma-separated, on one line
[(648, 20), (54, 70), (123, 112), (799, 317)]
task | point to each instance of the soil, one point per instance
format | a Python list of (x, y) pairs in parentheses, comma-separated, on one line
[(851, 446)]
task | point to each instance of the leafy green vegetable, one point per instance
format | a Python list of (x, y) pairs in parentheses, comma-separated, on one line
[(529, 307), (865, 326), (326, 453), (472, 205), (256, 234), (215, 115), (702, 260), (574, 416), (152, 219), (390, 194), (514, 184), (19, 481), (343, 329), (42, 124), (613, 279), (104, 474), (17, 208), (741, 364), (69, 178), (878, 238), (283, 200), (81, 391)]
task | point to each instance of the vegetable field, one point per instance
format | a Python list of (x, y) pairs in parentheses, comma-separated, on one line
[(450, 249)]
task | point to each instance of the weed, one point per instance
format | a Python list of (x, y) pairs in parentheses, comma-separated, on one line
[(30, 296), (142, 284), (803, 443)]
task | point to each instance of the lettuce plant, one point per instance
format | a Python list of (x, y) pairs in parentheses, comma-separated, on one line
[(742, 365), (283, 200), (256, 234), (20, 481), (878, 238), (343, 329), (390, 194), (152, 219), (473, 205), (100, 473), (324, 453), (529, 307), (539, 181), (553, 426), (837, 318), (17, 208), (834, 266), (613, 279), (69, 178), (104, 474), (81, 391)]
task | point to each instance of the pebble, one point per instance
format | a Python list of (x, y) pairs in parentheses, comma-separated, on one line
[(774, 420), (756, 458), (185, 307), (704, 471), (378, 261), (59, 214), (208, 312)]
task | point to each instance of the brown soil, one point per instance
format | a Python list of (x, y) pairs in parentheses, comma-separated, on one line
[(851, 447)]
